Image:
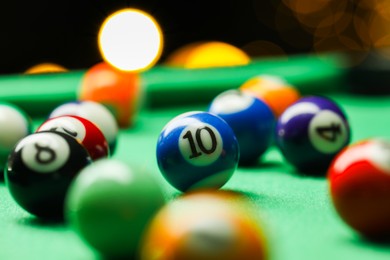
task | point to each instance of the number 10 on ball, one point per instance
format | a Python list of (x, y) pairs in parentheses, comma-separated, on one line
[(197, 150)]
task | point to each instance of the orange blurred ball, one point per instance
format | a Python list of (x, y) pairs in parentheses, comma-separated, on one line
[(273, 91), (46, 67), (204, 226), (119, 91)]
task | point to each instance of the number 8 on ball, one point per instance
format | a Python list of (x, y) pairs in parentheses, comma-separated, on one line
[(197, 150)]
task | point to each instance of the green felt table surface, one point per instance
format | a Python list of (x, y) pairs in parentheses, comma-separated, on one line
[(40, 93), (295, 210)]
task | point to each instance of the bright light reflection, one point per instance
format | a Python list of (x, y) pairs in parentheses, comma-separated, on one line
[(130, 40)]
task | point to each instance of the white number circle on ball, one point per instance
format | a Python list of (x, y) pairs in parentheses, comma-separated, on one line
[(327, 132), (67, 125), (44, 152), (200, 144)]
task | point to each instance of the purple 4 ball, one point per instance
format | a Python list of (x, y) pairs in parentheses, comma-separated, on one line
[(311, 132)]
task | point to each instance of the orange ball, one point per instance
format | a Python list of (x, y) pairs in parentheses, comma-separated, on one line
[(119, 91), (204, 226), (46, 67), (273, 91)]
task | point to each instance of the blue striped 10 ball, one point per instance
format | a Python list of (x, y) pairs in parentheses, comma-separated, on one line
[(197, 150), (311, 132)]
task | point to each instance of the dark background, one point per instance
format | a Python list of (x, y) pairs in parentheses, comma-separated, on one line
[(65, 32)]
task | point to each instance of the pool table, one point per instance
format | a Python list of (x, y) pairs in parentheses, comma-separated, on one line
[(295, 210)]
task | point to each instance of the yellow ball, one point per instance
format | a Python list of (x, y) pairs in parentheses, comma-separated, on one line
[(207, 55)]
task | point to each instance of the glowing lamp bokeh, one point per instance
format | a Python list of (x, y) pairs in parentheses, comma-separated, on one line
[(130, 40)]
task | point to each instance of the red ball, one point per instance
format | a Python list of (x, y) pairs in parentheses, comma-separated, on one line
[(86, 132), (359, 180)]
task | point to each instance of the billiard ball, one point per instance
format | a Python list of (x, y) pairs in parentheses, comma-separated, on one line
[(94, 112), (273, 90), (251, 120), (197, 150), (118, 90), (208, 54), (359, 181), (46, 67), (311, 132), (15, 124), (40, 169), (205, 225), (109, 205), (83, 130)]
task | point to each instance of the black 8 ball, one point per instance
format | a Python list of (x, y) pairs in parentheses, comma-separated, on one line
[(40, 169)]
